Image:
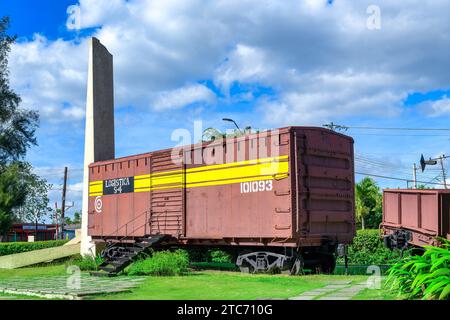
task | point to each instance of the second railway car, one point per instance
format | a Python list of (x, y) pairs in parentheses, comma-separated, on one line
[(280, 199), (415, 218)]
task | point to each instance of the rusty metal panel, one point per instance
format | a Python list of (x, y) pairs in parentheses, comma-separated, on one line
[(409, 210), (429, 210), (237, 199), (391, 203), (326, 184)]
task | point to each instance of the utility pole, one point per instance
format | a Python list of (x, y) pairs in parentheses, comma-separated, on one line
[(415, 175), (63, 205), (56, 220), (441, 160)]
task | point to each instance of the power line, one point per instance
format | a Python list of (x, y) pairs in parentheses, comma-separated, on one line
[(68, 189), (396, 178), (438, 178), (393, 128), (365, 162), (372, 164), (400, 135)]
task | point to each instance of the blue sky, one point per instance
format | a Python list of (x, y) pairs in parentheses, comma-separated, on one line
[(265, 64)]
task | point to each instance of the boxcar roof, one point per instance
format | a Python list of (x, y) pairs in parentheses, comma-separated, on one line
[(418, 190), (237, 139)]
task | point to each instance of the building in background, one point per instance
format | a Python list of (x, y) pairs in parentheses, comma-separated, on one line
[(70, 231), (20, 232)]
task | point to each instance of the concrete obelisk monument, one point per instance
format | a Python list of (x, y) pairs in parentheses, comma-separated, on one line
[(99, 132)]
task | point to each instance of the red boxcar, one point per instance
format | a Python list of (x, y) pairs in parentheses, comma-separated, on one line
[(286, 188), (415, 217)]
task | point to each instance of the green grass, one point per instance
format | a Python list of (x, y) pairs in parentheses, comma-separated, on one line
[(4, 296), (30, 272), (375, 294), (201, 285), (226, 285)]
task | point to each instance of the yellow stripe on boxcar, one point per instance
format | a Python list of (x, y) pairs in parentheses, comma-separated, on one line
[(209, 175)]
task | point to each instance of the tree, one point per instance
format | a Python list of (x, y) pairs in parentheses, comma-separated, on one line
[(67, 220), (368, 203), (17, 126), (13, 191), (76, 218), (17, 134), (35, 207)]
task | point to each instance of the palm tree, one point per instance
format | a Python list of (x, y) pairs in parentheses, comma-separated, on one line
[(366, 198), (361, 211)]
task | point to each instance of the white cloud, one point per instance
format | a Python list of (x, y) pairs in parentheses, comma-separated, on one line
[(183, 96), (50, 76), (94, 13), (321, 60), (76, 187), (244, 64), (74, 112), (436, 108)]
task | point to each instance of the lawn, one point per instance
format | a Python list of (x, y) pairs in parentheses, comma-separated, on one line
[(369, 294), (29, 272), (226, 285)]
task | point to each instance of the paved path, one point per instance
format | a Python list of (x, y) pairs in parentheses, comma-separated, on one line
[(337, 290), (65, 287)]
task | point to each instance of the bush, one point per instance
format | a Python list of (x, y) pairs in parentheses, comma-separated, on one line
[(86, 263), (206, 254), (7, 248), (368, 248), (426, 276), (198, 254), (219, 256), (161, 263)]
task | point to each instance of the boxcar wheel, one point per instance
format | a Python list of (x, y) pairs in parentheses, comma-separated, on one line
[(246, 267)]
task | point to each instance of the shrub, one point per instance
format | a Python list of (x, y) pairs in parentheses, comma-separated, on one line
[(206, 254), (86, 263), (219, 256), (426, 276), (161, 263), (7, 248), (198, 254), (368, 248)]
